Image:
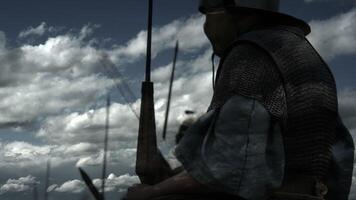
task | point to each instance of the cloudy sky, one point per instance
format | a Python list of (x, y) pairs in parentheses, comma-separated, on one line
[(60, 59)]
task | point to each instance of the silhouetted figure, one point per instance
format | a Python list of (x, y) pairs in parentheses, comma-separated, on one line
[(272, 130)]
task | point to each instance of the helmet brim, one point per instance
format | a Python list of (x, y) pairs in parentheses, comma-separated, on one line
[(277, 17)]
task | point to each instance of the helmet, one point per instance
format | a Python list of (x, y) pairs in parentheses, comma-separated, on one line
[(267, 7)]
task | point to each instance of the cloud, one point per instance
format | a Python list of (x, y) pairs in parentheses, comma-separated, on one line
[(20, 154), (23, 156), (86, 126), (335, 36), (89, 126), (72, 186), (117, 183), (61, 79), (122, 156), (22, 184), (49, 78), (48, 94), (37, 31), (164, 38), (347, 109), (112, 183), (65, 72)]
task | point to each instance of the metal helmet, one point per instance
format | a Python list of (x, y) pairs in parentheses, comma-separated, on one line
[(269, 7)]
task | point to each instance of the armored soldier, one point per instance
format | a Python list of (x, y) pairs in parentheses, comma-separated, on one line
[(272, 130)]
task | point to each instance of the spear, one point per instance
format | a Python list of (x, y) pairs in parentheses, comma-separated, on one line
[(48, 171), (151, 167), (105, 146), (170, 90), (147, 144), (123, 88), (88, 181), (35, 192)]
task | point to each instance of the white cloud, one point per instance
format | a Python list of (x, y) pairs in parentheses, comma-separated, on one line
[(112, 183), (21, 154), (72, 186), (37, 31), (76, 137), (46, 79), (335, 36), (122, 156), (164, 38), (117, 183), (22, 184), (65, 72), (48, 94), (89, 126)]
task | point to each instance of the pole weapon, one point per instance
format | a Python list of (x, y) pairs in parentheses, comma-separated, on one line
[(47, 179), (35, 191), (103, 175), (151, 167), (122, 87), (87, 180), (170, 90)]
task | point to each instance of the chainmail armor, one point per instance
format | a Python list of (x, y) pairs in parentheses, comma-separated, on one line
[(243, 74), (279, 68)]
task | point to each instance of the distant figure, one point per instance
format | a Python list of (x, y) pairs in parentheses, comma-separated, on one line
[(272, 130)]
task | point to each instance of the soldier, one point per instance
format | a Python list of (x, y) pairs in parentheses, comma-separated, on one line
[(272, 130)]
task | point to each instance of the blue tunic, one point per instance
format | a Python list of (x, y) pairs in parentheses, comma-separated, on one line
[(235, 149)]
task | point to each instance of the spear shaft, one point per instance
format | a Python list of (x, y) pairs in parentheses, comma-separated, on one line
[(90, 185), (146, 143), (107, 121), (151, 167), (170, 90), (149, 41), (48, 171)]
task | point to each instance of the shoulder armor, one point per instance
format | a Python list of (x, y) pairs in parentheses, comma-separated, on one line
[(249, 71), (311, 98)]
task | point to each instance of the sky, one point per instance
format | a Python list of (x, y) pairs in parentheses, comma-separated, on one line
[(59, 61)]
